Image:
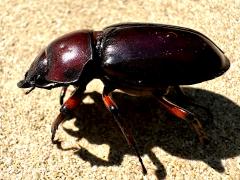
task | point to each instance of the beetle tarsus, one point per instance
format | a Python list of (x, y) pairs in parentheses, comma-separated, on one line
[(55, 125), (112, 107), (197, 127)]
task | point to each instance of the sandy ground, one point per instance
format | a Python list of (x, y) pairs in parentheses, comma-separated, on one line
[(92, 146)]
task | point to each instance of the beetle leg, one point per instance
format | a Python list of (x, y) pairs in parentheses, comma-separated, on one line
[(112, 107), (60, 118), (62, 94), (190, 101), (189, 117), (67, 110)]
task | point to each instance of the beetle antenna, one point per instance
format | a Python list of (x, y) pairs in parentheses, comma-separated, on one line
[(27, 92)]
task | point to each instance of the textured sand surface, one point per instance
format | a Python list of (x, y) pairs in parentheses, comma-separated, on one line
[(92, 146)]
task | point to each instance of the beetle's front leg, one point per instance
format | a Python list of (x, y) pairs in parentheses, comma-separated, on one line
[(66, 110), (112, 107), (184, 114)]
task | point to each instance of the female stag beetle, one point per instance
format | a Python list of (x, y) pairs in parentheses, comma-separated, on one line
[(139, 59)]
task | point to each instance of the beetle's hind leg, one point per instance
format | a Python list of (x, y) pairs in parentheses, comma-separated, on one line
[(112, 107), (184, 114), (188, 100)]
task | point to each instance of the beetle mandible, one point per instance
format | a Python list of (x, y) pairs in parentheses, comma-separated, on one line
[(137, 58)]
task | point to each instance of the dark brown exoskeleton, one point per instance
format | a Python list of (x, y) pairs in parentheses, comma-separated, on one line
[(139, 59)]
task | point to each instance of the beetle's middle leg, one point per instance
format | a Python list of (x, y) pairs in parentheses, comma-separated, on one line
[(112, 107), (186, 115)]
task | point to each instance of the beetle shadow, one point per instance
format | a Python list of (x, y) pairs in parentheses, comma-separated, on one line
[(153, 127)]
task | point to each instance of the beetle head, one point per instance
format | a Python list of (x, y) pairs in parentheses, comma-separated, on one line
[(35, 76), (61, 63)]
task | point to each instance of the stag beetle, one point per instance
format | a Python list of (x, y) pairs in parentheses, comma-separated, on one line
[(137, 58)]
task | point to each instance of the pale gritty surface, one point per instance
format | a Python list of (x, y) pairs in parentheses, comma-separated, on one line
[(92, 146)]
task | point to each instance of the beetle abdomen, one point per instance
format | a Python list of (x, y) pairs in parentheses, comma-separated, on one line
[(159, 54)]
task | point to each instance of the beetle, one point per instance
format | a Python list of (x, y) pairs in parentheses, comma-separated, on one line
[(137, 58)]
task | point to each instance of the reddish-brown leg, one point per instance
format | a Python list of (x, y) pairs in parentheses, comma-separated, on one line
[(66, 111), (189, 117), (190, 101), (112, 107)]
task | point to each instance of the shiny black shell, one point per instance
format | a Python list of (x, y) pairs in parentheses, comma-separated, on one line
[(153, 55)]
